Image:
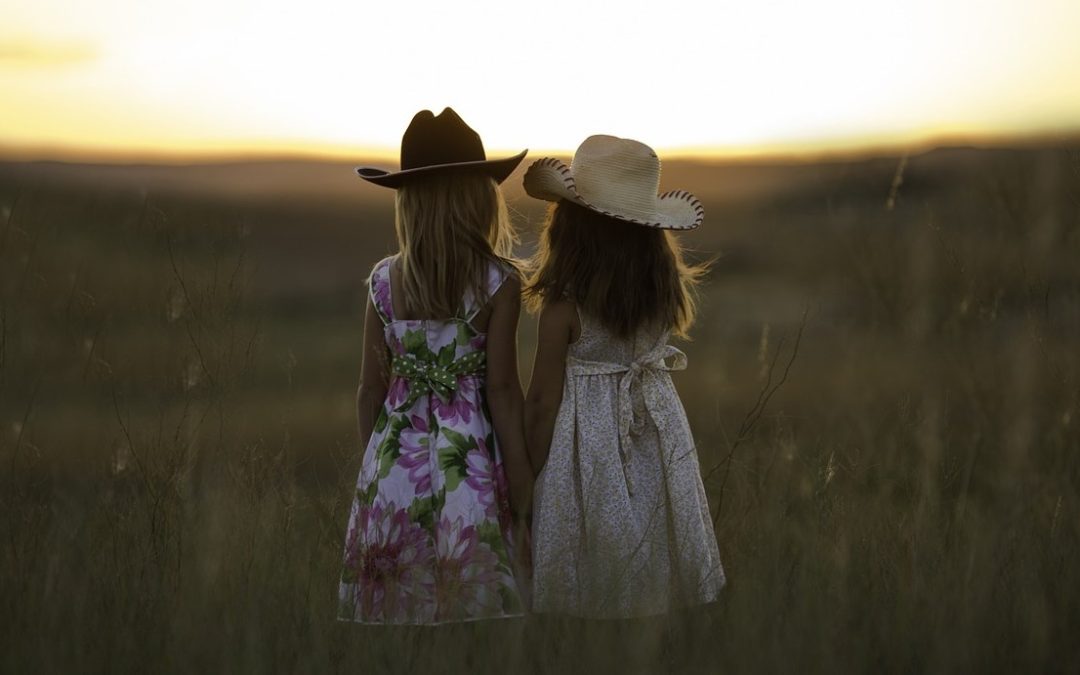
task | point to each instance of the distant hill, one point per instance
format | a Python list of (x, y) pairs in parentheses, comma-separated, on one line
[(717, 182)]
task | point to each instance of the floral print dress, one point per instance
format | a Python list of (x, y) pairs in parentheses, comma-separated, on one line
[(429, 537)]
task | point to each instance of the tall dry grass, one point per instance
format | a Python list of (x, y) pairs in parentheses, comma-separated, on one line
[(178, 452)]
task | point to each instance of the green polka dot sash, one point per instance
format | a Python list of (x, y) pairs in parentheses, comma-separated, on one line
[(424, 375)]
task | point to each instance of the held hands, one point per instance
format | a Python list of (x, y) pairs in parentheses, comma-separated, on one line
[(521, 498), (522, 562)]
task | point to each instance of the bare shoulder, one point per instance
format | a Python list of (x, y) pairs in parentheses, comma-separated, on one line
[(505, 303), (510, 289), (558, 311), (559, 318)]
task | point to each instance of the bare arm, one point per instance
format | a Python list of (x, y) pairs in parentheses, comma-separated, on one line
[(374, 375), (555, 332), (504, 397)]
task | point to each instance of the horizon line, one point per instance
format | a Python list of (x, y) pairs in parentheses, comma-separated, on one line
[(272, 151)]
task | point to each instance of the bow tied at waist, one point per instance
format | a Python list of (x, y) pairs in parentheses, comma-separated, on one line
[(631, 418), (428, 375)]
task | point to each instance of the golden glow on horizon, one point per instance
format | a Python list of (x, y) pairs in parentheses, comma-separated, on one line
[(233, 76)]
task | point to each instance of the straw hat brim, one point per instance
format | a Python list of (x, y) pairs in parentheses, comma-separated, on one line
[(551, 179), (499, 169)]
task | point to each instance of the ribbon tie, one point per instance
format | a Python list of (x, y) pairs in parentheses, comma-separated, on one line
[(632, 421), (428, 375)]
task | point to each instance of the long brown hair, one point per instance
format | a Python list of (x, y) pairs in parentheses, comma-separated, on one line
[(450, 226), (626, 275)]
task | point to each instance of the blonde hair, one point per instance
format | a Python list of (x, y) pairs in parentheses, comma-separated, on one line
[(450, 228), (625, 275)]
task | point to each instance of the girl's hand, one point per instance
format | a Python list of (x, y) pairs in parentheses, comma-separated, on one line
[(374, 375), (523, 564), (521, 496), (556, 329), (506, 403)]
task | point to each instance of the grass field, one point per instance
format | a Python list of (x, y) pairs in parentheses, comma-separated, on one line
[(179, 349)]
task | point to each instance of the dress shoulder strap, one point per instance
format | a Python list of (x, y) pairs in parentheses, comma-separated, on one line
[(379, 288), (497, 274)]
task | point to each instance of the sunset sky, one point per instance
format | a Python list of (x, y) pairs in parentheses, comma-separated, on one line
[(211, 76)]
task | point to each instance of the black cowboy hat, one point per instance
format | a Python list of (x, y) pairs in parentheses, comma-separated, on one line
[(438, 143)]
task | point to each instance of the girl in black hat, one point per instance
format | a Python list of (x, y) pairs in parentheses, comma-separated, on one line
[(445, 482)]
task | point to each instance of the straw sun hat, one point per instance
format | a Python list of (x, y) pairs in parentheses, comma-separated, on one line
[(619, 178)]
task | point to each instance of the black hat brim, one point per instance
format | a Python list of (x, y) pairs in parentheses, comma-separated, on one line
[(498, 169)]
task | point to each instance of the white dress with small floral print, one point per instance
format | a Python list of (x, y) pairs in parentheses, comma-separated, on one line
[(621, 526), (429, 537)]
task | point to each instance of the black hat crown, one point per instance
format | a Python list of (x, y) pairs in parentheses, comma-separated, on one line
[(434, 140), (440, 142)]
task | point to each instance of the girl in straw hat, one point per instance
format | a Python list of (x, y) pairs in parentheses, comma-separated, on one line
[(621, 525), (430, 534)]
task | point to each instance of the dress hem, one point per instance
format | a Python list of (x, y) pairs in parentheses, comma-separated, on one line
[(362, 622), (617, 617)]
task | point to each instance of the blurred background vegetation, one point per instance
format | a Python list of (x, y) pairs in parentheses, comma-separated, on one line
[(179, 350)]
